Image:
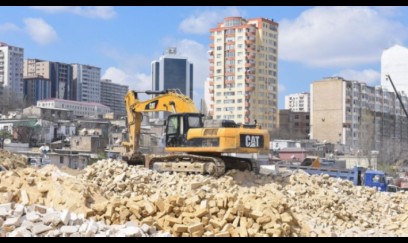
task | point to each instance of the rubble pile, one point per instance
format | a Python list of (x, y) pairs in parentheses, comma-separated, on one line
[(335, 207), (236, 204), (47, 186), (17, 220), (12, 161), (189, 205)]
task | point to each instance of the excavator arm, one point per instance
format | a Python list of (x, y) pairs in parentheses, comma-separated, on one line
[(169, 100)]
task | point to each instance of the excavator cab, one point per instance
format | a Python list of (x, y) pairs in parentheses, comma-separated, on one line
[(177, 126)]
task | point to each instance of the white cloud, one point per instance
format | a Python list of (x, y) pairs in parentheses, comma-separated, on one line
[(339, 36), (201, 22), (197, 54), (8, 27), (281, 88), (40, 31), (368, 76), (135, 80), (103, 12)]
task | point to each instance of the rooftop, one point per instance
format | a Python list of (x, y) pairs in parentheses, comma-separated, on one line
[(75, 102)]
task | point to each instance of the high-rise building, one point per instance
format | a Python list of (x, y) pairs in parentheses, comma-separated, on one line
[(173, 71), (394, 61), (87, 80), (60, 75), (359, 116), (35, 89), (208, 95), (11, 74), (298, 102), (113, 96), (244, 71)]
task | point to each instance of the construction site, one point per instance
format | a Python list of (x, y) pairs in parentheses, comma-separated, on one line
[(112, 198)]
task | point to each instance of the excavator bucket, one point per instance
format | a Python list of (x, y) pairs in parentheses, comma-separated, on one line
[(136, 158)]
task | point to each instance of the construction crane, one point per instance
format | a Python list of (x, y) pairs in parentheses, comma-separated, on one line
[(397, 94), (193, 144)]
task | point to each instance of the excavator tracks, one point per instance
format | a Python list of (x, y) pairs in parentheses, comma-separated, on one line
[(211, 165), (214, 166)]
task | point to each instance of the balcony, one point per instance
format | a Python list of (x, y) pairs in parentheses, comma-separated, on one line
[(211, 91), (212, 45), (211, 83), (229, 81), (249, 42), (249, 88), (246, 104), (249, 64), (250, 34), (211, 68)]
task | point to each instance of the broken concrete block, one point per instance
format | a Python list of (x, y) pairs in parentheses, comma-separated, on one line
[(33, 217), (14, 221), (65, 217), (222, 234), (24, 197), (180, 228), (69, 229), (40, 228), (195, 227)]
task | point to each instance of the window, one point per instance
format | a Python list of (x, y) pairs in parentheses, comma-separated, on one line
[(218, 63), (219, 48), (172, 125)]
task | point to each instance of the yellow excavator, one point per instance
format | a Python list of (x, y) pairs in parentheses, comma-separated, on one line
[(193, 144)]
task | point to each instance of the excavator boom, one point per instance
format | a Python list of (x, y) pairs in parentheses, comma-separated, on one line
[(169, 100)]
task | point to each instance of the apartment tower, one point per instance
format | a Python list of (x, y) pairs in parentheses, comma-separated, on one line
[(113, 96), (60, 75), (244, 71), (359, 116), (11, 75), (87, 80)]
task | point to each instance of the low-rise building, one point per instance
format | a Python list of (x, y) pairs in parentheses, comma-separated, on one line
[(51, 114), (80, 109), (294, 125), (88, 144)]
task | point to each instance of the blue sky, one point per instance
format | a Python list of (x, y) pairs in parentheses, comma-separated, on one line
[(314, 42)]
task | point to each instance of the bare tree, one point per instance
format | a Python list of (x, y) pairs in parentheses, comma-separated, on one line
[(9, 100)]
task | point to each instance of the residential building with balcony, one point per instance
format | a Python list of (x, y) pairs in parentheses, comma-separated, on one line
[(243, 82), (359, 116)]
